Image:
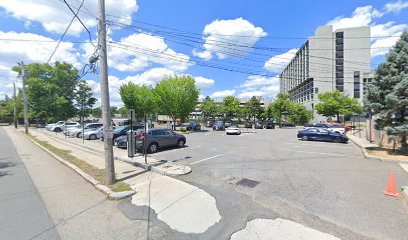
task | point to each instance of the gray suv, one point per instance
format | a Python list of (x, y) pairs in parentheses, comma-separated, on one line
[(160, 138)]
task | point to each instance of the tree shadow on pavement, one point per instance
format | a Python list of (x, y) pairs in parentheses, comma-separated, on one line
[(5, 165)]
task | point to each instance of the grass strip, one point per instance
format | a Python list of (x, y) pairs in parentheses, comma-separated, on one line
[(98, 174)]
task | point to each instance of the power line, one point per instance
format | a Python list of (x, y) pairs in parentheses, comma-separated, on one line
[(226, 35), (65, 32), (222, 44), (83, 25), (153, 53)]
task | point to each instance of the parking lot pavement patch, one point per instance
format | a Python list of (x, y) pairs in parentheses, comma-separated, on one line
[(183, 207), (282, 229)]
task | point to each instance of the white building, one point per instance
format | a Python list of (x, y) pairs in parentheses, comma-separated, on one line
[(327, 61)]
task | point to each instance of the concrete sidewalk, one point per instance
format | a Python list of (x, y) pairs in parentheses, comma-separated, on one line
[(361, 142), (171, 200)]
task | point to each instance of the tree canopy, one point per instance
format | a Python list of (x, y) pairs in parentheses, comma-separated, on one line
[(209, 108), (335, 103), (177, 96), (230, 106), (387, 96), (140, 98), (294, 112)]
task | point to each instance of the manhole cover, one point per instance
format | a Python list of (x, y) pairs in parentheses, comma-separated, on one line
[(247, 182)]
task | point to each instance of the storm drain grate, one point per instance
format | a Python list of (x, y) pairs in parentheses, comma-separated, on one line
[(247, 182)]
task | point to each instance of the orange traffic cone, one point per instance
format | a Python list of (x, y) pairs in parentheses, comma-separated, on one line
[(391, 190)]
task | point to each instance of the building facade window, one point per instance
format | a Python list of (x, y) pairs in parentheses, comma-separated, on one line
[(339, 61), (356, 77)]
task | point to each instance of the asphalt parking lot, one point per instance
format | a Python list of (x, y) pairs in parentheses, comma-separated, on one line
[(303, 181), (330, 180)]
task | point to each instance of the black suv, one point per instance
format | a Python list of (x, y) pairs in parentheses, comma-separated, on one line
[(270, 125), (219, 126)]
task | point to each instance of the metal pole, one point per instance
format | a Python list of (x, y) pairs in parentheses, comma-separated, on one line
[(25, 99), (103, 79), (15, 105), (145, 138)]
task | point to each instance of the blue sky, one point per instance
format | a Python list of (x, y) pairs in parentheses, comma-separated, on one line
[(150, 39)]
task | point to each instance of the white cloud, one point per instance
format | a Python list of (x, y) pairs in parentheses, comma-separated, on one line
[(395, 6), (225, 37), (259, 86), (365, 16), (222, 94), (55, 15), (203, 82), (29, 51), (141, 51), (277, 63), (149, 77)]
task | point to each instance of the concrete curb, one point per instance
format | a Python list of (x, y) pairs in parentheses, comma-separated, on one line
[(172, 172), (140, 164), (111, 194), (369, 156)]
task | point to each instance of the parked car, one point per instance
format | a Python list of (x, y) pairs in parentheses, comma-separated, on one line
[(159, 138), (233, 129), (248, 125), (337, 128), (228, 124), (219, 126), (75, 131), (193, 126), (156, 138), (93, 134), (209, 124), (321, 135), (270, 125), (287, 124), (53, 125), (259, 125), (316, 125), (62, 127), (121, 131)]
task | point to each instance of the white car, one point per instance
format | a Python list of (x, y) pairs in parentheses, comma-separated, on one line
[(52, 125), (233, 130), (93, 134), (337, 128), (62, 127), (74, 132)]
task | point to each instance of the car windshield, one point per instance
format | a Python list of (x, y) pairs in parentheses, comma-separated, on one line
[(119, 129)]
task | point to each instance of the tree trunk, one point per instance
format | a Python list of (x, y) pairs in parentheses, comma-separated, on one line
[(404, 145), (338, 117)]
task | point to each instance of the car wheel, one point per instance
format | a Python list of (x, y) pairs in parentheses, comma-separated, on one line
[(239, 133), (305, 138), (153, 147), (180, 143), (57, 130), (227, 133), (337, 140), (78, 135), (92, 136)]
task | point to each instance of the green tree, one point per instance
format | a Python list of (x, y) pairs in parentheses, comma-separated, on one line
[(97, 112), (84, 100), (140, 98), (299, 114), (253, 108), (280, 107), (51, 90), (177, 96), (230, 107), (123, 111), (335, 103), (387, 96), (209, 108)]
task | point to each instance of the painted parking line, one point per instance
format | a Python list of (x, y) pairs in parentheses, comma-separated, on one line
[(329, 154), (205, 159), (176, 150), (319, 144)]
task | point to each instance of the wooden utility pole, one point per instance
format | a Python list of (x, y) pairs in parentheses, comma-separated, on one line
[(103, 79)]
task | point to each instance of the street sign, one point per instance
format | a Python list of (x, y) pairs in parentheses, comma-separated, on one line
[(108, 133)]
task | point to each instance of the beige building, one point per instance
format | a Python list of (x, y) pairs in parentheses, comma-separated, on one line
[(327, 61)]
